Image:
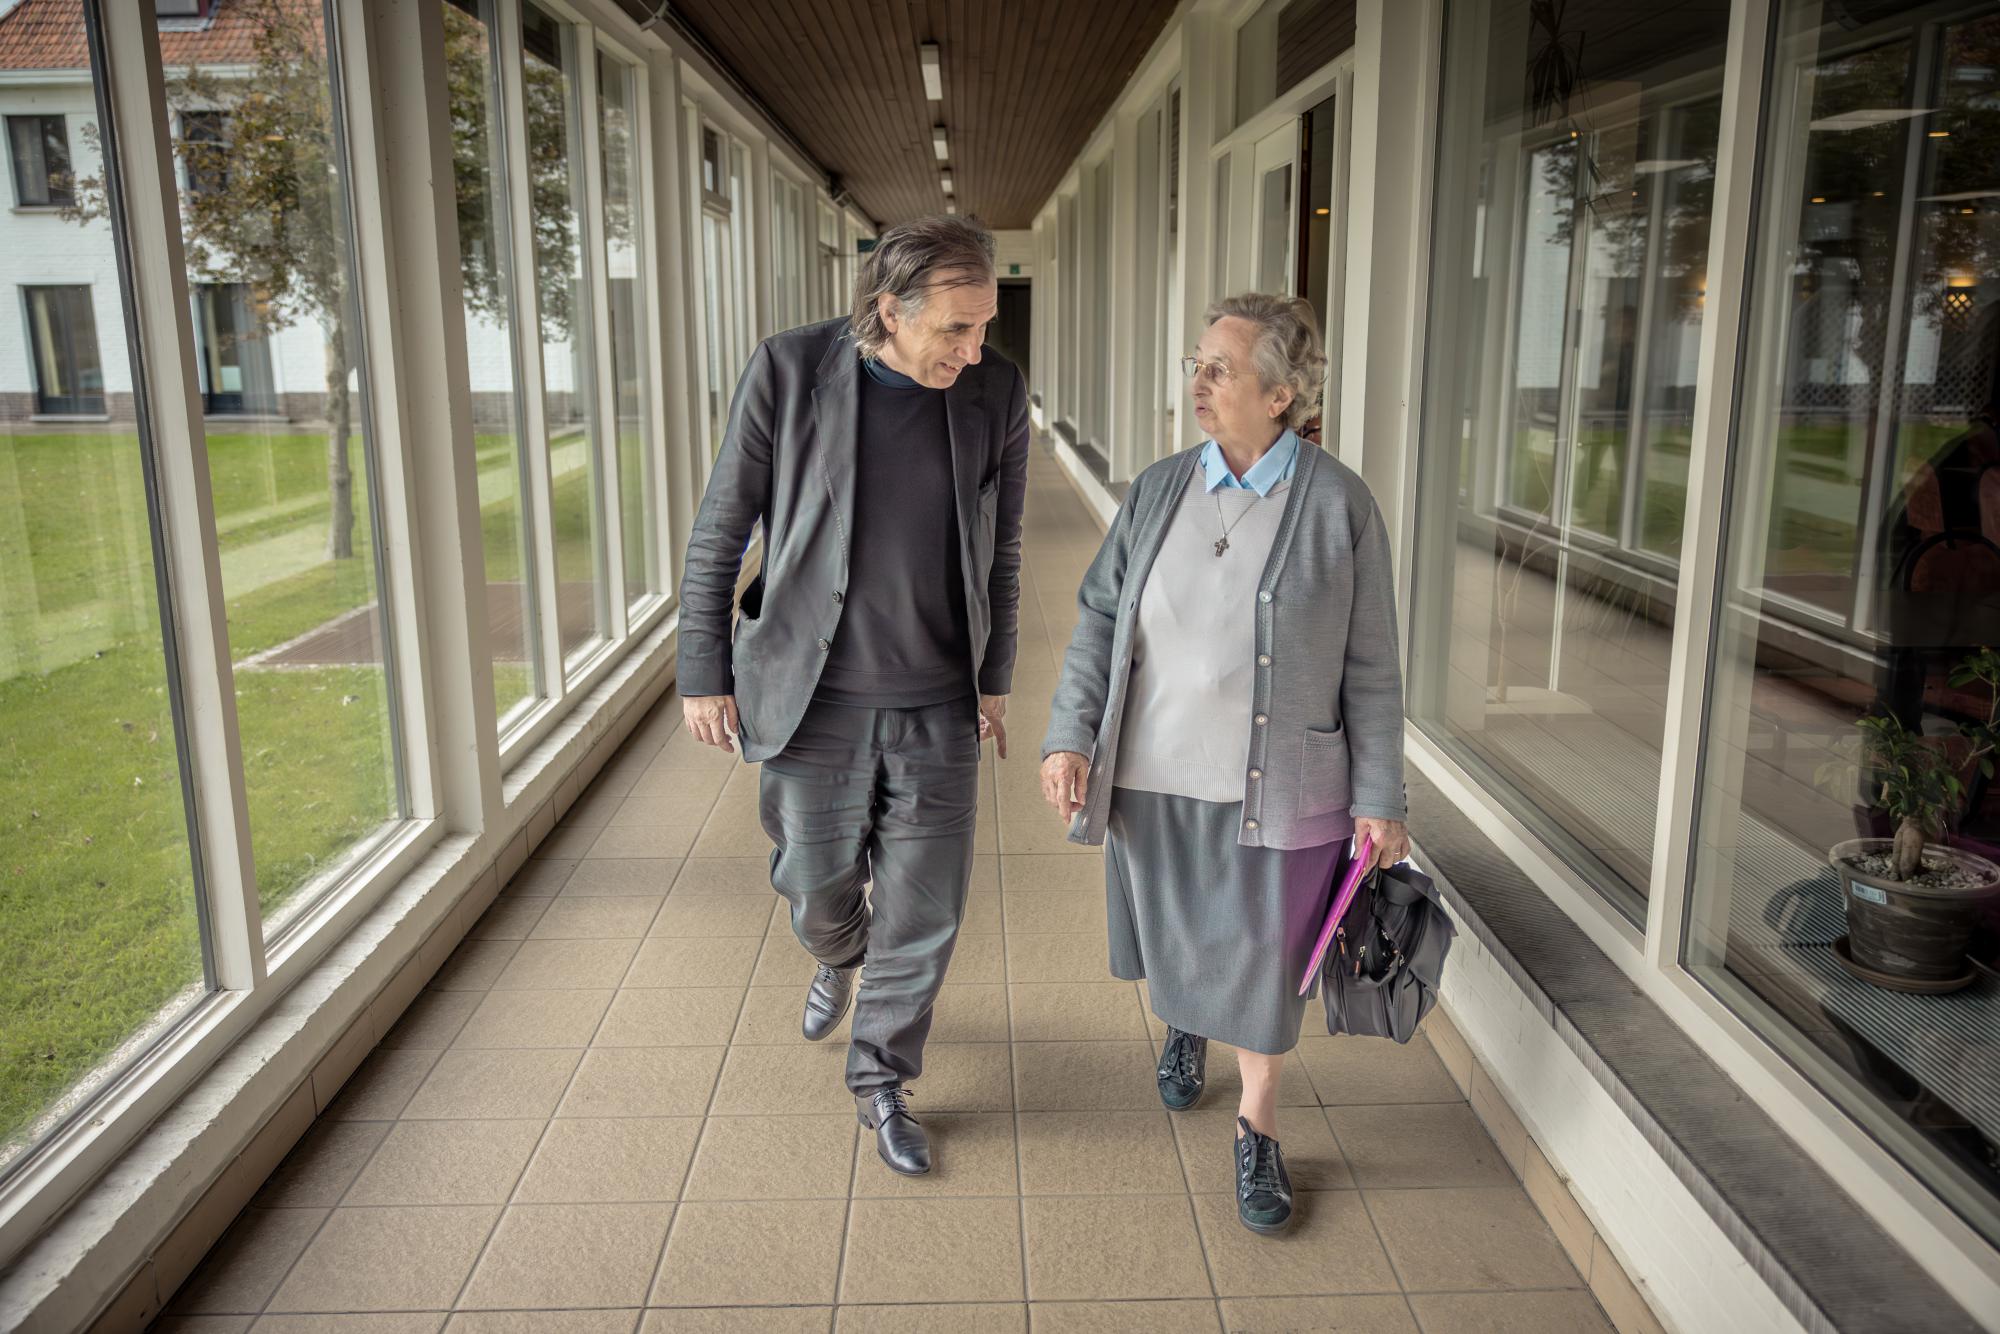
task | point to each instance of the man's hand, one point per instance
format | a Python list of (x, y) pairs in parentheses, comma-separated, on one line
[(1392, 839), (992, 712), (1065, 778), (711, 719)]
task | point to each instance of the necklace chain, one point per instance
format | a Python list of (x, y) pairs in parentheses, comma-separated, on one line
[(1222, 543)]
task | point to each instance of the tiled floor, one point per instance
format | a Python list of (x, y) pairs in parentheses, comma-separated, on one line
[(601, 1117)]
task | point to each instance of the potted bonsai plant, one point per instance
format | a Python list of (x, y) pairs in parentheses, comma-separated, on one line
[(1913, 902)]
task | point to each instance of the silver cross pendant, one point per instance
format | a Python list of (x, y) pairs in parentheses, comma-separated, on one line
[(1221, 544)]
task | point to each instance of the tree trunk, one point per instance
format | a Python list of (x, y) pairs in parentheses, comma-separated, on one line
[(339, 472), (1909, 848)]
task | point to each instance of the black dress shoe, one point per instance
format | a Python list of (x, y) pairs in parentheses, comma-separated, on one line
[(898, 1138), (1182, 1072), (1263, 1186), (826, 1000)]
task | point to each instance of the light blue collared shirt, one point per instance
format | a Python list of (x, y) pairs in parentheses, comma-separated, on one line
[(1280, 461)]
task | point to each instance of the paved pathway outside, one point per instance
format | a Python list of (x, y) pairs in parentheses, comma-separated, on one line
[(601, 1117)]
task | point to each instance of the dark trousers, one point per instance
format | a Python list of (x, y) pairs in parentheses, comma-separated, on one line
[(888, 797)]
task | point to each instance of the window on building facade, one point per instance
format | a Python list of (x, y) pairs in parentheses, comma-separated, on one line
[(1859, 599), (233, 352), (40, 149), (205, 151), (1570, 244), (62, 335)]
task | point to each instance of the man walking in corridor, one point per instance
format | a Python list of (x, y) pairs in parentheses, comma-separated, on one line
[(886, 455)]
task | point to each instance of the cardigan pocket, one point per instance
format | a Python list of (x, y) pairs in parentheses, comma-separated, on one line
[(1324, 782)]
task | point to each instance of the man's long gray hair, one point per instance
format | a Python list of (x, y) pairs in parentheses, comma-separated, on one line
[(911, 261)]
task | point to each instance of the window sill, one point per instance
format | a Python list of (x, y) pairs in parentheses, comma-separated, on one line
[(69, 417), (54, 210)]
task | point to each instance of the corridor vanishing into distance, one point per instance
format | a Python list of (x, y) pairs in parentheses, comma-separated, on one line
[(600, 1115)]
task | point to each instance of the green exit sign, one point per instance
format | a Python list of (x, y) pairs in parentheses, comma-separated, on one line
[(1013, 270)]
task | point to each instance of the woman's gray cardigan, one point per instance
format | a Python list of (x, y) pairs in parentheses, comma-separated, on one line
[(1326, 731)]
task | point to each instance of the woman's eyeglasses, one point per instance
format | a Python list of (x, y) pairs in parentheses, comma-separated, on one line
[(1195, 369)]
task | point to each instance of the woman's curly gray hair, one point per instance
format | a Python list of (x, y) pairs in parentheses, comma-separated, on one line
[(1288, 350), (911, 261)]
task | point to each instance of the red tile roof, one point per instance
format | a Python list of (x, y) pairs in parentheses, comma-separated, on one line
[(48, 34)]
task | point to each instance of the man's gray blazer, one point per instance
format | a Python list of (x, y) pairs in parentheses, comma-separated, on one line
[(788, 458)]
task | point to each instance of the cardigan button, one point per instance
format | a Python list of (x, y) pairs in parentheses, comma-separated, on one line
[(837, 595), (1264, 596), (1256, 774), (824, 646), (1249, 824), (1260, 720), (1263, 660)]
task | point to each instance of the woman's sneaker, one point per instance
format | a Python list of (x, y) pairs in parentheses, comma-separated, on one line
[(1182, 1072), (1263, 1187)]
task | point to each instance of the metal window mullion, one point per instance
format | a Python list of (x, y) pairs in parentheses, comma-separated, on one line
[(647, 249), (534, 392), (667, 290), (1689, 688), (597, 278), (160, 306)]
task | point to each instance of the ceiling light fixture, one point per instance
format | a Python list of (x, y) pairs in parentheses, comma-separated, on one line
[(933, 67), (938, 144), (950, 206), (947, 182)]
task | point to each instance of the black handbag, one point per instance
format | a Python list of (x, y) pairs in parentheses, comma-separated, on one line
[(1381, 976)]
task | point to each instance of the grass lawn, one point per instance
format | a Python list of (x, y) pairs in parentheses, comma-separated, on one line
[(97, 916)]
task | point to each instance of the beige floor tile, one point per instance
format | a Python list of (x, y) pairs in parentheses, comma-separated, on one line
[(447, 1162), (670, 1017), (689, 809), (381, 1087), (1044, 835), (966, 1318), (622, 877), (707, 915), (966, 1012), (773, 1016), (964, 1077), (1076, 1011), (1380, 1314), (475, 965), (1085, 1076), (740, 841), (985, 874), (1099, 1153), (972, 1153), (1617, 1296), (387, 1260), (493, 1085), (642, 840), (725, 875), (784, 963), (432, 1020), (1053, 911), (549, 965), (1133, 1317), (1350, 1070), (1208, 1149), (642, 1081), (1225, 1081), (534, 1019), (1098, 1247), (540, 876), (620, 1160), (552, 1256), (542, 1322), (784, 1080), (1425, 1144), (567, 841), (323, 1166), (605, 918), (1034, 956), (1510, 1313), (773, 1158), (510, 918), (947, 1250), (242, 1270), (399, 1322), (1469, 1240), (670, 962), (1331, 1248), (978, 959), (761, 1253), (740, 1320)]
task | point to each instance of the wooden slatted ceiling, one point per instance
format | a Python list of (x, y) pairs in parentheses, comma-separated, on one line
[(1025, 83)]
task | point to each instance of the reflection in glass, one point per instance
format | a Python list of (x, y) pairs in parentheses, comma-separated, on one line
[(556, 164), (492, 354), (1570, 243), (1862, 564), (294, 508), (100, 942), (624, 272), (1274, 221)]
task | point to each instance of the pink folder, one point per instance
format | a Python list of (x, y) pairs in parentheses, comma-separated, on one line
[(1357, 867)]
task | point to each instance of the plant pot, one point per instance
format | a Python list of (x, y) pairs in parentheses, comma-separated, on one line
[(1910, 930)]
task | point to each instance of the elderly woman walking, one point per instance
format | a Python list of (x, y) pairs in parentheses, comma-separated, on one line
[(1230, 714)]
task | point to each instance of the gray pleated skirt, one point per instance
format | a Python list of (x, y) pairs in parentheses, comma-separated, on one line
[(1221, 933)]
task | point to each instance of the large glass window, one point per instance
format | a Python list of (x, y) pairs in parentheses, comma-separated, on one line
[(294, 498), (725, 283), (618, 109), (1852, 683), (100, 939), (39, 146), (486, 264), (557, 164), (233, 352), (1570, 234)]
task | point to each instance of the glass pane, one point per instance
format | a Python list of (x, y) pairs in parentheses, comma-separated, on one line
[(1318, 200), (294, 504), (1274, 222), (1852, 685), (715, 324), (100, 942), (556, 162), (617, 103), (486, 265), (1570, 251)]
